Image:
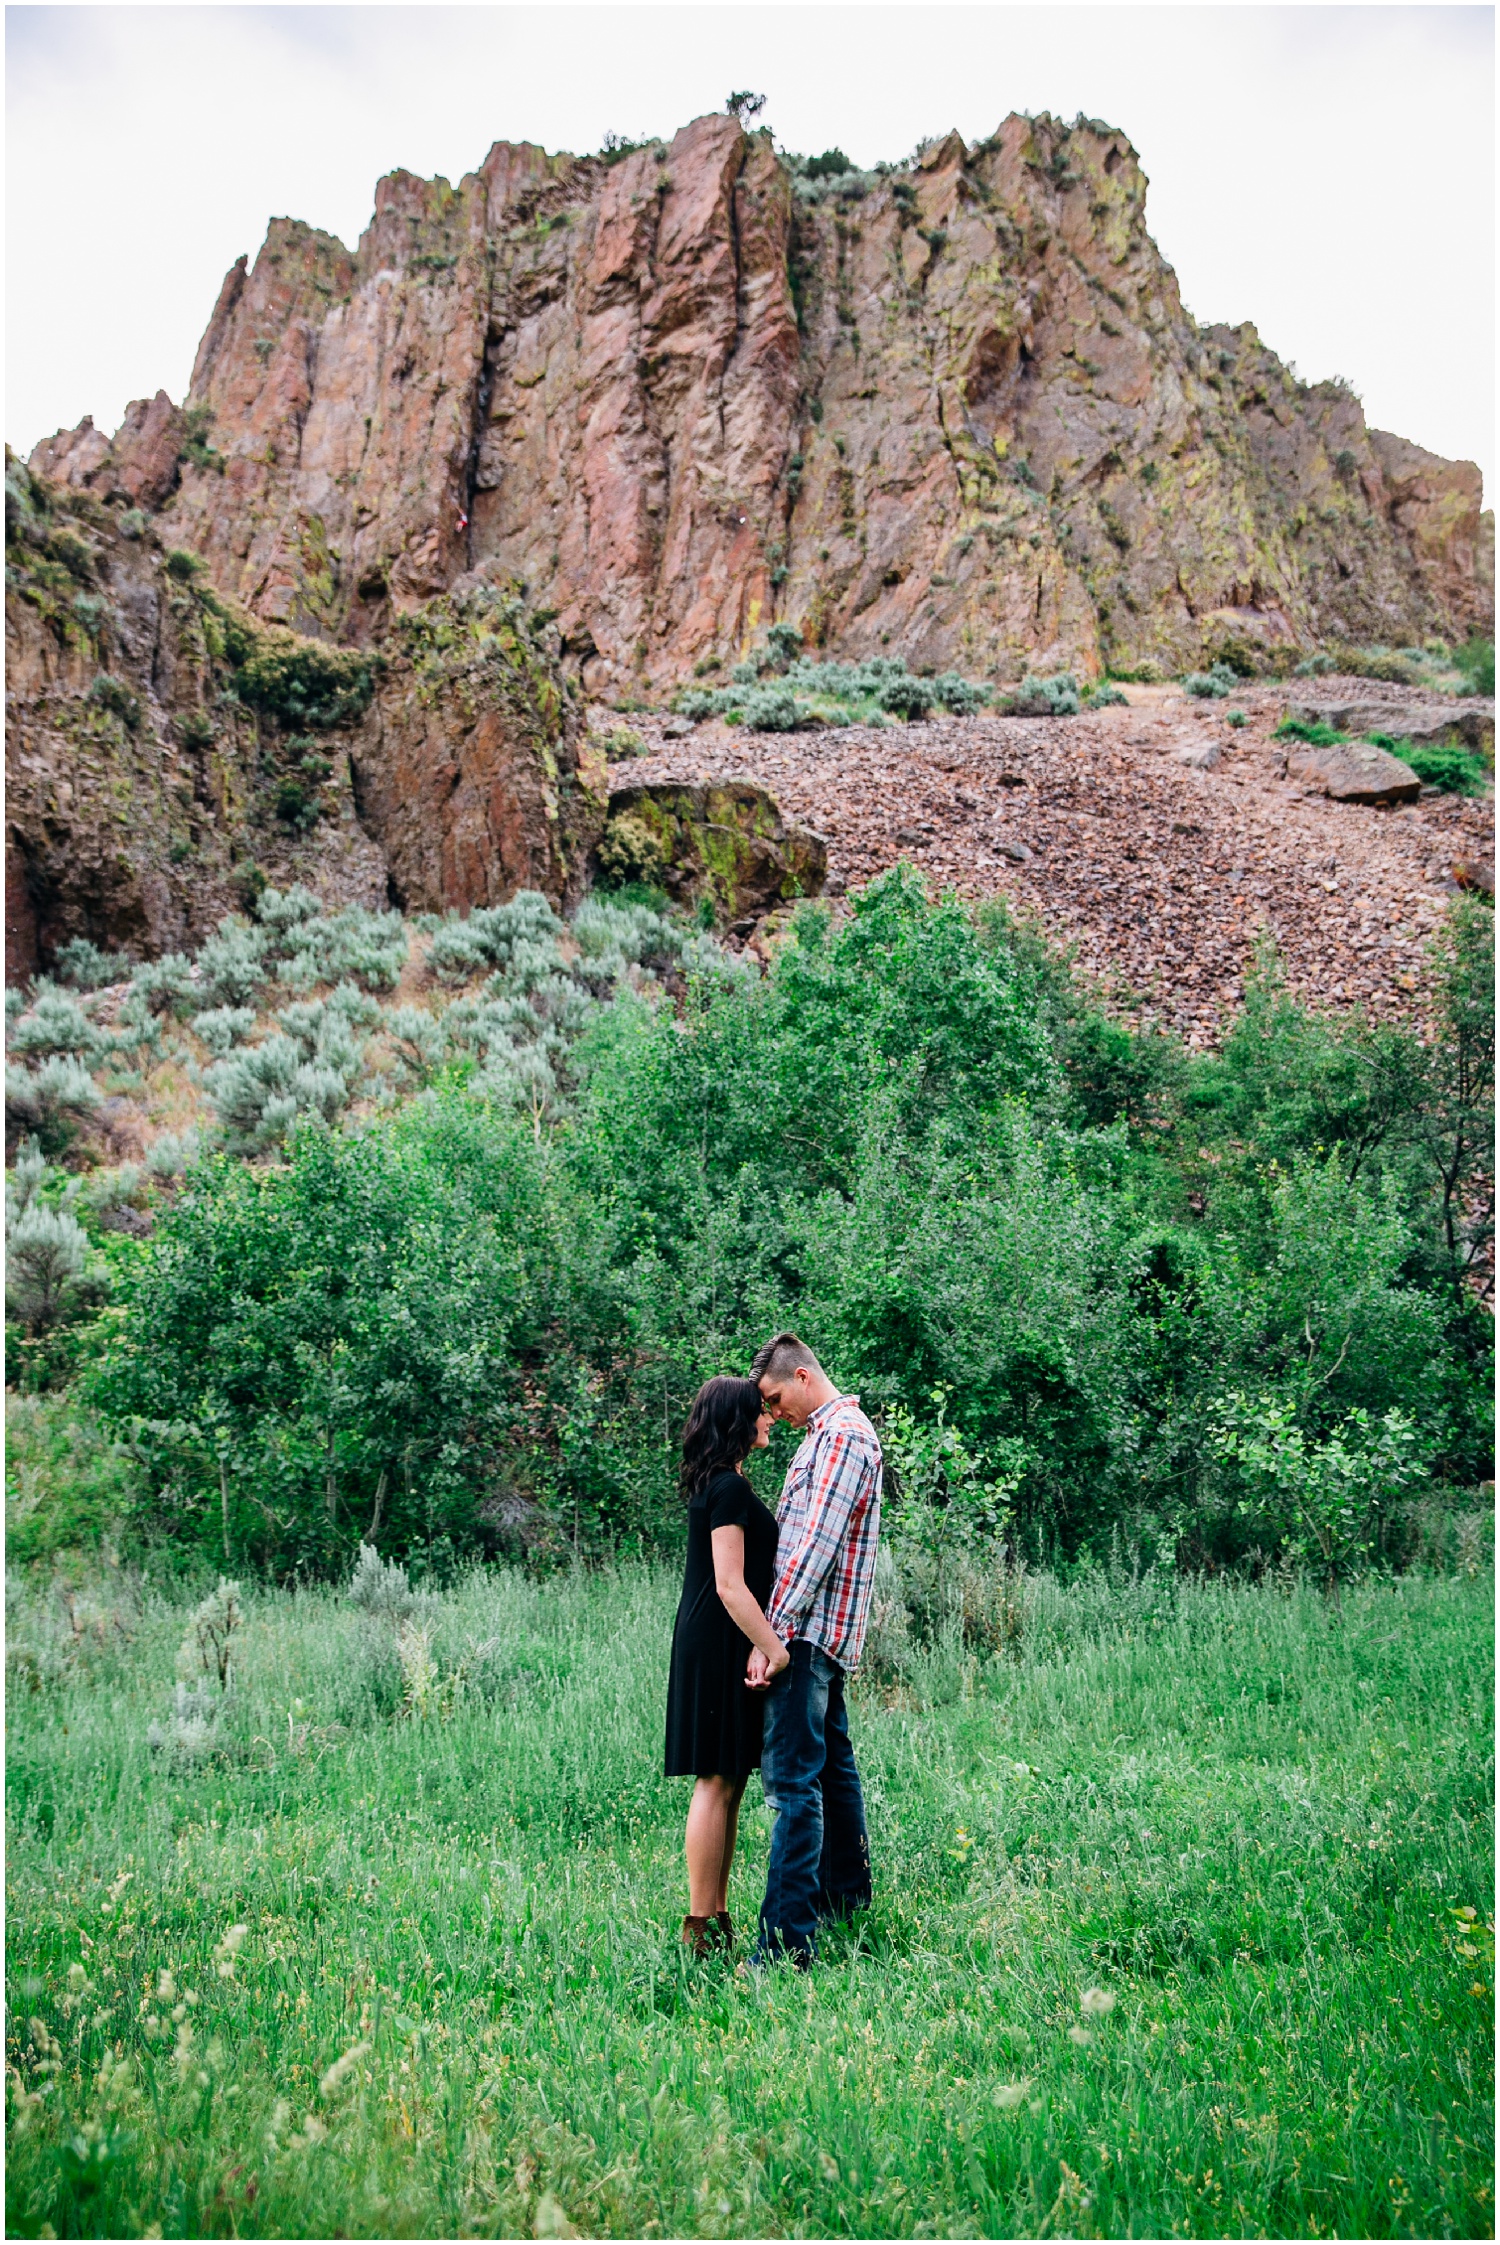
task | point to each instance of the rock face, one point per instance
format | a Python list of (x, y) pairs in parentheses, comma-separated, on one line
[(142, 804), (473, 769), (167, 757), (955, 412)]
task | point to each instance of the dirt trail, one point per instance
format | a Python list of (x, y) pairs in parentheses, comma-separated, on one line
[(1161, 875)]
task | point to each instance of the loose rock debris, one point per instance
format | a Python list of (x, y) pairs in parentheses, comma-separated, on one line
[(1156, 839)]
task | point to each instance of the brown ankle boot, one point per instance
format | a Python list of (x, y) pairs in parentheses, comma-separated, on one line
[(696, 1935), (725, 1924)]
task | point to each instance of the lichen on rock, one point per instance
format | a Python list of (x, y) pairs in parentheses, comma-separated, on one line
[(726, 846)]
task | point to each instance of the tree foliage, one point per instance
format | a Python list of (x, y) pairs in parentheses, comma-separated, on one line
[(458, 1326)]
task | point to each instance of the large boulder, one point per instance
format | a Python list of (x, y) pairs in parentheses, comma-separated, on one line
[(1424, 724), (1355, 772), (725, 844)]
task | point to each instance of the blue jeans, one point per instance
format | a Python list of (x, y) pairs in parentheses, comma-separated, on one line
[(820, 1848)]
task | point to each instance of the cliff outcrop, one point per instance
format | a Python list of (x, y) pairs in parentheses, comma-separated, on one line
[(954, 411), (168, 755), (591, 426)]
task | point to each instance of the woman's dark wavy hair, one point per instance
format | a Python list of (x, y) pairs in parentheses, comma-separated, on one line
[(720, 1430)]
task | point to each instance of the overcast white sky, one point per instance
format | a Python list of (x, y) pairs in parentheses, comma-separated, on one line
[(1325, 171)]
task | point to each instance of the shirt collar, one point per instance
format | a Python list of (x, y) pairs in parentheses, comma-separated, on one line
[(825, 1411)]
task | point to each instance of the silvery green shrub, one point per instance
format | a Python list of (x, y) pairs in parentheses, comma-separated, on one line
[(773, 709), (907, 697), (46, 1252), (232, 963), (260, 1092), (56, 1023), (492, 935), (24, 1180), (419, 1040), (167, 984), (172, 1152), (224, 1027), (1046, 697), (957, 694), (380, 1587), (602, 928), (85, 967), (312, 946), (60, 1091), (1212, 685)]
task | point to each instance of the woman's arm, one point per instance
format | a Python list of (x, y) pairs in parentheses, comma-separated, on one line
[(734, 1596)]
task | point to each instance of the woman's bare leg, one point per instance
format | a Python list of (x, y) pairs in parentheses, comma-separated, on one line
[(731, 1834), (714, 1803)]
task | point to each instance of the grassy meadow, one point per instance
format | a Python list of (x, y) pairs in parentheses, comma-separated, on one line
[(1182, 1925)]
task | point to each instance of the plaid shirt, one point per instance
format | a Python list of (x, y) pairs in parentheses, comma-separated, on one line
[(829, 1527)]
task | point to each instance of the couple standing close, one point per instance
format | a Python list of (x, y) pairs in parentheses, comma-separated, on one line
[(772, 1620)]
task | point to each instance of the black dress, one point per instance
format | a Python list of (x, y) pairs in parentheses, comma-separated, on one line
[(713, 1720)]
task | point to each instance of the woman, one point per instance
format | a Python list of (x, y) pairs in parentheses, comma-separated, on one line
[(713, 1717)]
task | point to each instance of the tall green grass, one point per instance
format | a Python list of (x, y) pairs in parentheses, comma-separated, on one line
[(1260, 1826)]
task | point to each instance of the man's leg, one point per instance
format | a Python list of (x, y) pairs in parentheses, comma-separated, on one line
[(844, 1865), (791, 1770)]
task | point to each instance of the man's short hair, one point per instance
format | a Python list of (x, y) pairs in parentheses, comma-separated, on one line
[(781, 1357)]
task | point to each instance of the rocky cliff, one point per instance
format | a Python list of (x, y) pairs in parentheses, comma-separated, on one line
[(590, 427), (954, 410), (168, 755)]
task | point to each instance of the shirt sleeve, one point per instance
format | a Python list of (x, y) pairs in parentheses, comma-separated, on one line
[(844, 1473), (729, 1502)]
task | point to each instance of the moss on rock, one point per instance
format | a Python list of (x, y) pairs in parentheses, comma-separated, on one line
[(727, 846)]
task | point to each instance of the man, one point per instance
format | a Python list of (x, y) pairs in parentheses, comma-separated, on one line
[(829, 1523)]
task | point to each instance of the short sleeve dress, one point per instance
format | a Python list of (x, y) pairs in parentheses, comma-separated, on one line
[(713, 1719)]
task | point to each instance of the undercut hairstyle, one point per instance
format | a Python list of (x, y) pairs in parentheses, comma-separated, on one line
[(720, 1431), (781, 1357)]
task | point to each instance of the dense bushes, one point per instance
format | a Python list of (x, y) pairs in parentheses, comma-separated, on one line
[(778, 688), (1091, 1285)]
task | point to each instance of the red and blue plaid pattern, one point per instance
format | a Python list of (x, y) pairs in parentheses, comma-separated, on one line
[(829, 1528)]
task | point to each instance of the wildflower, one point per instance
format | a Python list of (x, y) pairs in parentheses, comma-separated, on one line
[(26, 2103), (228, 1949), (1008, 2094), (1081, 2036), (166, 1988), (1096, 2003), (339, 2072), (78, 1979), (551, 2221)]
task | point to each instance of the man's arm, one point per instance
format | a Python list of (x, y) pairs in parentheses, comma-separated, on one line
[(843, 1474)]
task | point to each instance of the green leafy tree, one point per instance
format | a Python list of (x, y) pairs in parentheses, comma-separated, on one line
[(1323, 1498)]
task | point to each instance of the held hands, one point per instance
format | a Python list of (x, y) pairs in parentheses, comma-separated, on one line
[(760, 1667)]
